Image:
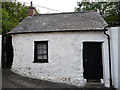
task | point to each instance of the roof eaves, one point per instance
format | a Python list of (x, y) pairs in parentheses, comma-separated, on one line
[(57, 31)]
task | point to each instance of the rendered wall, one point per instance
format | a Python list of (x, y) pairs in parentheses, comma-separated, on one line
[(0, 62), (64, 55), (118, 58), (114, 54), (0, 49)]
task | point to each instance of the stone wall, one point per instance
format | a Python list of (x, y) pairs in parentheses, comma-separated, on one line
[(64, 55)]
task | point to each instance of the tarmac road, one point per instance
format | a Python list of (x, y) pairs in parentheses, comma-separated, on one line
[(12, 80), (7, 83)]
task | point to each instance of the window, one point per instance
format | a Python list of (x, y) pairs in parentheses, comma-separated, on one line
[(41, 51)]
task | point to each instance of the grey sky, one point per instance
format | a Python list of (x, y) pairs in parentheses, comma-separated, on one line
[(44, 6)]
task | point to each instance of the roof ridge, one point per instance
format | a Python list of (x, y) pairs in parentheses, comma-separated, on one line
[(65, 13)]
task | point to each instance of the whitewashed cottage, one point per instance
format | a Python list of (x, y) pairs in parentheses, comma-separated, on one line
[(70, 48)]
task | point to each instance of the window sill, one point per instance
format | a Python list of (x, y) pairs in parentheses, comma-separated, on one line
[(39, 62)]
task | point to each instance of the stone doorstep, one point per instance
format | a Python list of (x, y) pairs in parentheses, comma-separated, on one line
[(97, 85), (94, 84)]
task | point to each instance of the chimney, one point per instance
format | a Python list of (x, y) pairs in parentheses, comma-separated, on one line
[(31, 10)]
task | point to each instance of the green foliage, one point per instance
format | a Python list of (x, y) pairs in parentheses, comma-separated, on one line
[(108, 10), (115, 18), (12, 14)]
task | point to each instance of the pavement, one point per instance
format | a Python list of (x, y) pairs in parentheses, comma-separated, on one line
[(12, 80)]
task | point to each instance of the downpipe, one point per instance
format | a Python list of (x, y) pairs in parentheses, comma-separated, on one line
[(109, 50)]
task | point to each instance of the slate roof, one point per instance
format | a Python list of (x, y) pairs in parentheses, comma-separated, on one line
[(72, 21)]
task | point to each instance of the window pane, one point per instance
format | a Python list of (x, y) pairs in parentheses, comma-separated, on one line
[(44, 56), (44, 51), (39, 51), (39, 46), (39, 56), (44, 46)]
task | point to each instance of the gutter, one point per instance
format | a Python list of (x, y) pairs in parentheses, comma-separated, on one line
[(109, 50), (48, 31)]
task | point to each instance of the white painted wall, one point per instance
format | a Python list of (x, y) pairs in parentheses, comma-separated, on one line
[(65, 56), (114, 54), (118, 58), (0, 49), (0, 62)]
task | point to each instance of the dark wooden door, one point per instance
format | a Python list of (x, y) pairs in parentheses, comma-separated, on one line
[(92, 61)]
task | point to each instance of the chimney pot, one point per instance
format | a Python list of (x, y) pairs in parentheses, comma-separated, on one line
[(31, 10), (31, 3)]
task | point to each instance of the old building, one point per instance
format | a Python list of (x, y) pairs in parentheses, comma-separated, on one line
[(69, 48)]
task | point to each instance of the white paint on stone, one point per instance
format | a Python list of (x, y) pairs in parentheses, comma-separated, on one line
[(0, 49), (114, 54), (64, 56), (119, 58), (0, 61)]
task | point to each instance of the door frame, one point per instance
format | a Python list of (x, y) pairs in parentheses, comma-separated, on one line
[(105, 61)]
